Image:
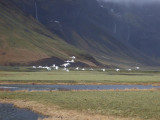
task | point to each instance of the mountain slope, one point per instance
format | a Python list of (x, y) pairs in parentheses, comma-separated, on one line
[(86, 25), (54, 29), (137, 25), (25, 41)]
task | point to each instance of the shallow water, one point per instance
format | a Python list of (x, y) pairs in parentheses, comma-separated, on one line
[(73, 87), (9, 112)]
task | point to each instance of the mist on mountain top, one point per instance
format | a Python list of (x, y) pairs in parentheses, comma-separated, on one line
[(139, 2)]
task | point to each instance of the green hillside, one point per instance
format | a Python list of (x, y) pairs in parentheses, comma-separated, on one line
[(23, 40), (48, 31), (85, 25)]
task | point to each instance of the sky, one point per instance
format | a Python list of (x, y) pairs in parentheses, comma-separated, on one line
[(133, 1)]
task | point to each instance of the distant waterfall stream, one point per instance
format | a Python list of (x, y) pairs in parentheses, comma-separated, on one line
[(115, 28), (36, 8)]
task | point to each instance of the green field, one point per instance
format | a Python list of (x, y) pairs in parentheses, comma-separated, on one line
[(81, 77), (144, 104), (134, 104)]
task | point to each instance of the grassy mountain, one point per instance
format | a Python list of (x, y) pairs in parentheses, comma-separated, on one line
[(53, 27), (23, 41), (86, 25)]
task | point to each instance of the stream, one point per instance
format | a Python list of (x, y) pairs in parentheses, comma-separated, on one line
[(9, 112), (72, 87)]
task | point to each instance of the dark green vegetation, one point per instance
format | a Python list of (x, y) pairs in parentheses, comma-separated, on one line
[(135, 104), (23, 40), (81, 77)]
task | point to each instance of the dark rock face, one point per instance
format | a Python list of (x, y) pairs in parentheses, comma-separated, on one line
[(137, 25), (48, 62), (57, 61)]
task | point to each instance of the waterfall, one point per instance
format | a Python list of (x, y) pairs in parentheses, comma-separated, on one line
[(36, 10), (24, 9), (128, 36), (115, 28)]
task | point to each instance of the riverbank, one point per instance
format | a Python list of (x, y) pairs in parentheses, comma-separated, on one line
[(9, 112), (55, 113), (91, 105)]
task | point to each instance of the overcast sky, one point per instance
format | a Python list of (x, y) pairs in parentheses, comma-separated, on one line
[(133, 1)]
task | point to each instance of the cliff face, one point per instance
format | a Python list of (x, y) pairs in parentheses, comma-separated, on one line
[(137, 25)]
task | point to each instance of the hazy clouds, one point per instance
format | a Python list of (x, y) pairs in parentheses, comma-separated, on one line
[(133, 1)]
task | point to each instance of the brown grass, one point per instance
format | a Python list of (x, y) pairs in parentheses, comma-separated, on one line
[(48, 83), (20, 55), (55, 113)]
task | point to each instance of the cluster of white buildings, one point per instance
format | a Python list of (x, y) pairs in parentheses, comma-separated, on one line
[(46, 67), (54, 67), (67, 63), (136, 68)]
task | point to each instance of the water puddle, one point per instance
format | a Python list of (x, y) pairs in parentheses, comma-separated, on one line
[(73, 87), (9, 112)]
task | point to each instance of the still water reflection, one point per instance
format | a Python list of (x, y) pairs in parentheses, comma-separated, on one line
[(9, 112), (73, 87)]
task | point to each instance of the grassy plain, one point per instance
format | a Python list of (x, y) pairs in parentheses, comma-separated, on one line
[(81, 77), (132, 104), (122, 104)]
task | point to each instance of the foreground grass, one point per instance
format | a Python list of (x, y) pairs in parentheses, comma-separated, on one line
[(134, 104), (80, 77)]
